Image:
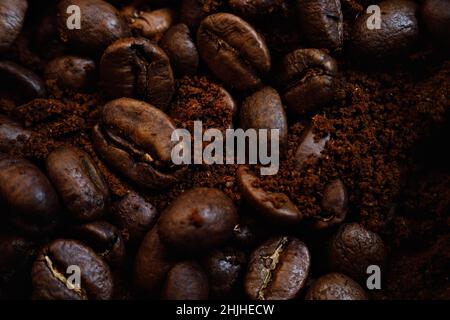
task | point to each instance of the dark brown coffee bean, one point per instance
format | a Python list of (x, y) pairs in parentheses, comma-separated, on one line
[(51, 273), (12, 16), (12, 135), (277, 270), (70, 72), (104, 239), (134, 216), (181, 50), (143, 69), (275, 206), (436, 16), (233, 51), (27, 195), (196, 215), (264, 110), (334, 205), (150, 24), (134, 138), (398, 34), (186, 281), (353, 248), (307, 80), (79, 183), (101, 25), (225, 269), (321, 22), (335, 286), (192, 12), (310, 148), (257, 8)]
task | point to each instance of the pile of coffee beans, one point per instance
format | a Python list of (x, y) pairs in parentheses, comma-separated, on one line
[(93, 207)]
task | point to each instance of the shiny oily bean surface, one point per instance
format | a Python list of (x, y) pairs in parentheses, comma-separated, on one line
[(310, 148), (334, 205), (12, 16), (336, 286)]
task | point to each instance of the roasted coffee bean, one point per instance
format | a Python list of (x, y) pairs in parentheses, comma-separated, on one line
[(307, 80), (334, 205), (264, 110), (101, 25), (104, 239), (335, 286), (180, 49), (79, 183), (233, 51), (12, 135), (321, 22), (196, 215), (12, 16), (134, 216), (134, 138), (153, 262), (436, 16), (398, 34), (186, 281), (56, 262), (275, 206), (257, 8), (21, 84), (71, 72), (353, 248), (27, 195), (310, 148), (193, 11), (277, 270), (150, 24), (143, 69), (225, 269)]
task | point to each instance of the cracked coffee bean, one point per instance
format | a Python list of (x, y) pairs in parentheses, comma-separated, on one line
[(150, 24), (334, 205), (335, 286), (12, 16)]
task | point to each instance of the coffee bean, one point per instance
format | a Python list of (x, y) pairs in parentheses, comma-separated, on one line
[(194, 11), (104, 239), (321, 22), (196, 215), (12, 13), (277, 270), (71, 72), (186, 281), (150, 24), (27, 195), (398, 34), (12, 135), (101, 25), (51, 273), (264, 110), (334, 205), (79, 183), (256, 8), (275, 206), (144, 70), (310, 148), (307, 80), (233, 51), (335, 286), (181, 50), (134, 138), (353, 248), (436, 16), (134, 216)]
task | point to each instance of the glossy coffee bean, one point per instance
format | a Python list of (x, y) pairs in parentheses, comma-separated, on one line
[(353, 248), (144, 70), (186, 281), (27, 195), (307, 80), (150, 24), (12, 135), (104, 239), (12, 13), (335, 286), (277, 207), (436, 16), (264, 110), (334, 205), (277, 270), (134, 138), (310, 148), (398, 34), (101, 25), (233, 51), (79, 183), (180, 48), (134, 216), (71, 72), (256, 8), (321, 22), (51, 273), (196, 215), (225, 269)]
